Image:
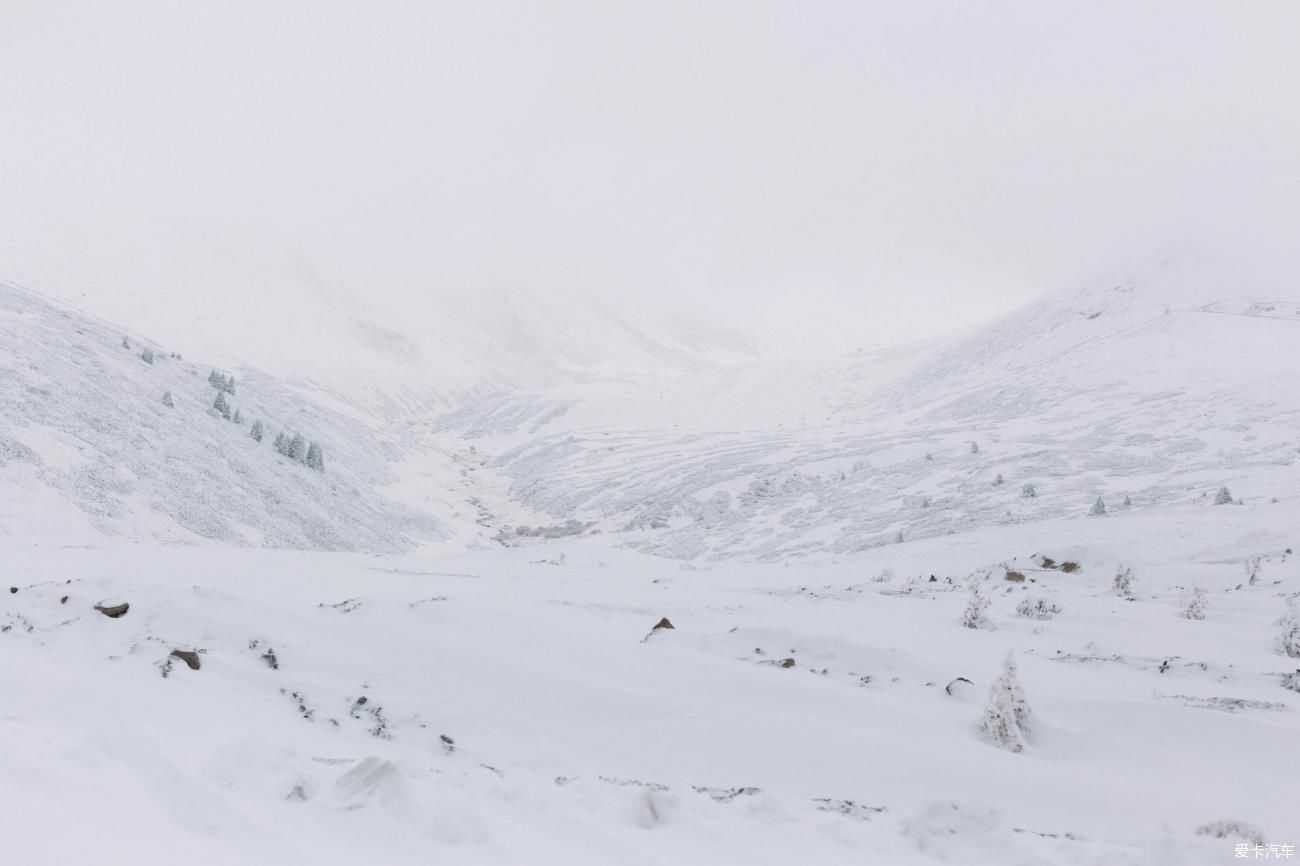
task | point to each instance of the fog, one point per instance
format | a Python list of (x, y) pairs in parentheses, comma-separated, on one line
[(825, 174)]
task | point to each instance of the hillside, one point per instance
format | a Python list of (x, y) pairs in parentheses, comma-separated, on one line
[(1150, 392), (88, 450)]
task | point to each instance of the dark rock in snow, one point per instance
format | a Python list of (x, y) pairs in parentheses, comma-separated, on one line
[(663, 623), (113, 610), (190, 657)]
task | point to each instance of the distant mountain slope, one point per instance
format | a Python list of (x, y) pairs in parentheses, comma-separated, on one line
[(87, 448), (1139, 388)]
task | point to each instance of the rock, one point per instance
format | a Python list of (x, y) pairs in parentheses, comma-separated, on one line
[(663, 623), (13, 589), (113, 610), (787, 663), (1015, 576), (190, 657), (63, 600)]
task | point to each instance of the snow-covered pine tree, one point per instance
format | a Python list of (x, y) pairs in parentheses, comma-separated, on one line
[(214, 379), (126, 344), (257, 431), (315, 457), (282, 444), (221, 405), (997, 482), (1223, 497), (239, 417), (228, 385), (974, 448), (1098, 507), (147, 356), (1028, 491), (1123, 583), (974, 616), (1288, 636), (1007, 715), (1195, 602), (168, 401), (297, 448)]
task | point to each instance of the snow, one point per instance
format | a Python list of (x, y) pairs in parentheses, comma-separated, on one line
[(393, 671)]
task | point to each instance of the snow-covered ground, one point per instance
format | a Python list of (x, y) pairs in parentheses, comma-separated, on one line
[(518, 707), (442, 648)]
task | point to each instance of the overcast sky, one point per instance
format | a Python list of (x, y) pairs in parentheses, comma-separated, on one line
[(890, 169)]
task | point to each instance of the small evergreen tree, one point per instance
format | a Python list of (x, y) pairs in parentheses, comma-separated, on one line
[(297, 448), (974, 616), (1253, 565), (974, 448), (1223, 497), (1127, 502), (257, 431), (222, 407), (1098, 507), (126, 344), (1289, 630), (315, 457), (282, 444), (997, 482), (1028, 491), (147, 356), (228, 385), (214, 379), (1195, 603), (167, 400), (1007, 715), (1123, 583), (239, 417)]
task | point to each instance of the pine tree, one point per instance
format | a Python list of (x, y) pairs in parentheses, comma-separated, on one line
[(1289, 630), (1029, 491), (297, 448), (214, 379), (147, 356), (167, 400), (1007, 715), (1195, 602), (974, 448), (1098, 507), (315, 457), (228, 385), (257, 431), (221, 405), (126, 344), (997, 482), (1223, 497), (239, 417), (282, 444), (974, 616)]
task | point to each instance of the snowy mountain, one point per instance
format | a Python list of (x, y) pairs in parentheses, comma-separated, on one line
[(846, 551), (1149, 392), (89, 450)]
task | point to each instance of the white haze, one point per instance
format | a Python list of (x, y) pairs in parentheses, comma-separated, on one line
[(823, 176)]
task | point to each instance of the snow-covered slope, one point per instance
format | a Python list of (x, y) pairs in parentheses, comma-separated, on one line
[(88, 449), (518, 707), (1149, 392)]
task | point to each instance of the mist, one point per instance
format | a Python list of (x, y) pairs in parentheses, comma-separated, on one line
[(824, 176)]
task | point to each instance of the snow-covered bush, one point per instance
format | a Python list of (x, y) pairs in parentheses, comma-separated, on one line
[(147, 356), (997, 482), (886, 575), (1253, 566), (167, 400), (974, 616), (1195, 602), (1038, 608), (1098, 507), (1123, 583), (974, 448), (257, 431), (1223, 497), (1028, 491), (1006, 717), (1288, 636), (239, 417), (222, 407)]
